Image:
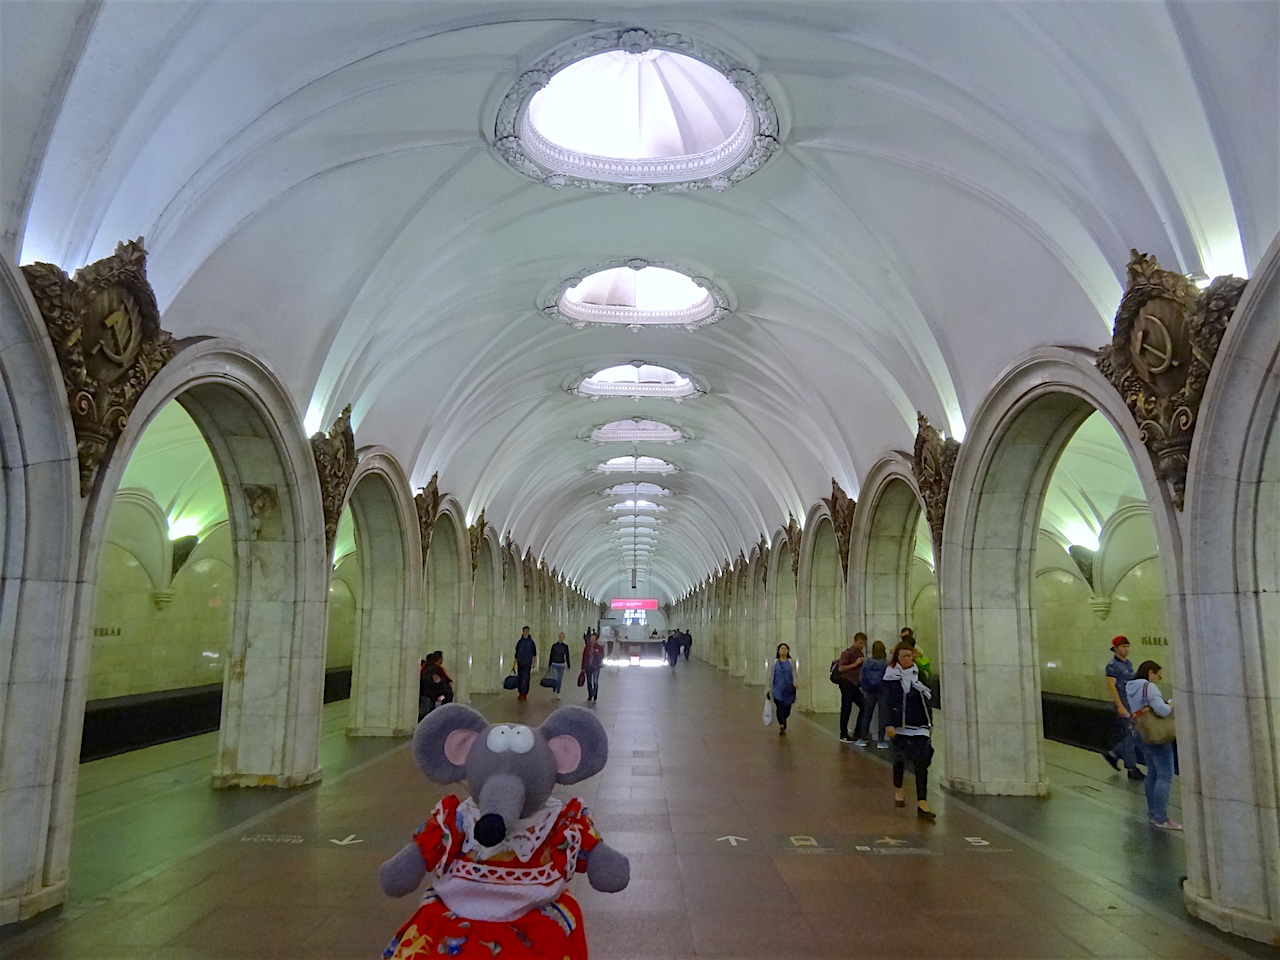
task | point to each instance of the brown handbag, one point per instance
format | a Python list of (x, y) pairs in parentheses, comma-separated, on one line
[(1155, 729)]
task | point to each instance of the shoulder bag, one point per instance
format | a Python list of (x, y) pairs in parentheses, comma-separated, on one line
[(1153, 728)]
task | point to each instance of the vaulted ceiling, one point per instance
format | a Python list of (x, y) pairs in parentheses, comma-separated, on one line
[(958, 183)]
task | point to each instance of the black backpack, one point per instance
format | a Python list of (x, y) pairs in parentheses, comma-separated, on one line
[(835, 672)]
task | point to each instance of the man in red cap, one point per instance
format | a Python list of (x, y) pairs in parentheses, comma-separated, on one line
[(1119, 673)]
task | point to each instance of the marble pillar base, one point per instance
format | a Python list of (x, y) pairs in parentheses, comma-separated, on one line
[(13, 909), (997, 788), (228, 780), (1232, 921), (368, 730)]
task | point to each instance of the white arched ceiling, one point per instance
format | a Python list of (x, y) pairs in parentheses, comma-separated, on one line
[(958, 184)]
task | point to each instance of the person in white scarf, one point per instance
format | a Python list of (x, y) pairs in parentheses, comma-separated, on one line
[(909, 725)]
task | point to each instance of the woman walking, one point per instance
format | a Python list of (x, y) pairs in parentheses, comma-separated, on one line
[(1143, 696), (909, 723), (783, 686), (592, 661)]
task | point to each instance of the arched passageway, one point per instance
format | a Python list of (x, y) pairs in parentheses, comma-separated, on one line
[(821, 633), (447, 573), (991, 694), (386, 571)]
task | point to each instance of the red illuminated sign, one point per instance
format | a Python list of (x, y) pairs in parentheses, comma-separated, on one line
[(633, 603)]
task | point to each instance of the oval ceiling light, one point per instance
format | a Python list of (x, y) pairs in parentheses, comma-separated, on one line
[(637, 110), (638, 294), (635, 465), (636, 431), (638, 380)]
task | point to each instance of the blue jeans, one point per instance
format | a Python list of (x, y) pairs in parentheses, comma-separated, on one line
[(1159, 779), (593, 683), (1126, 748), (556, 672)]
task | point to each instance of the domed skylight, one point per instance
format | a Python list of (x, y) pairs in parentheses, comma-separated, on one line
[(638, 380), (648, 108), (637, 520), (650, 295), (622, 108), (637, 292), (635, 465), (637, 490), (635, 431), (635, 505)]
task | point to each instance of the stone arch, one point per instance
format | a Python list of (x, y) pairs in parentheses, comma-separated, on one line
[(40, 531), (759, 636), (992, 699), (488, 626), (1231, 670), (884, 529), (273, 691), (781, 599), (447, 596), (384, 688), (820, 627)]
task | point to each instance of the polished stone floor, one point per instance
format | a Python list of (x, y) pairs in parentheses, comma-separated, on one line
[(743, 844)]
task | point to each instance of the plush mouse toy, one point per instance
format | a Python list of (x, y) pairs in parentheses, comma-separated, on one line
[(502, 859)]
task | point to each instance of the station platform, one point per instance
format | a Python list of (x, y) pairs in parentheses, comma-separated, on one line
[(743, 844)]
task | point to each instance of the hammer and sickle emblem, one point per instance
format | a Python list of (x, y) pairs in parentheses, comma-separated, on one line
[(122, 338), (1152, 347)]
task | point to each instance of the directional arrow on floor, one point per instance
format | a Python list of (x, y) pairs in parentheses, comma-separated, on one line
[(890, 840), (350, 840), (733, 841)]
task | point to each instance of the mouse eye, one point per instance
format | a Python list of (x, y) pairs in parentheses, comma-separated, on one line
[(520, 740), (499, 739)]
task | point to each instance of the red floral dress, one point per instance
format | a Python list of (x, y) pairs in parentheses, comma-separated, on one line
[(505, 901)]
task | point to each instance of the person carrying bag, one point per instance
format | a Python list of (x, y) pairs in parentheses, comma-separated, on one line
[(1153, 719)]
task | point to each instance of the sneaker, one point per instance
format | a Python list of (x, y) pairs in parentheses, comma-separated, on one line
[(1136, 774), (1112, 759), (882, 745), (1166, 824), (859, 743), (845, 738)]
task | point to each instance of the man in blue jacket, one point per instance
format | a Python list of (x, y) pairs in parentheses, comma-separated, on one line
[(526, 654)]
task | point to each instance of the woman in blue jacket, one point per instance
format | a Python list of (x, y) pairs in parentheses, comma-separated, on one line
[(783, 686)]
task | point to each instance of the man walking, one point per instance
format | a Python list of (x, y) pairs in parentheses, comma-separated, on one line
[(526, 653), (1119, 673), (850, 668), (557, 663)]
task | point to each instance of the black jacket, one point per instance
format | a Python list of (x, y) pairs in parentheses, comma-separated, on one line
[(909, 709)]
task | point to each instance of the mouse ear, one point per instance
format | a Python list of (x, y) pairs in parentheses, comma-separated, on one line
[(443, 739), (578, 742)]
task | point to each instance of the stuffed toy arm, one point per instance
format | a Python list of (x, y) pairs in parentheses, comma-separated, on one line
[(404, 872), (607, 870)]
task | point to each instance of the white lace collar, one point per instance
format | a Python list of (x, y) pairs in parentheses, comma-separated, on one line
[(523, 837)]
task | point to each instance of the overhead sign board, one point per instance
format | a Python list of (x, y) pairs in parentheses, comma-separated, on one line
[(634, 603)]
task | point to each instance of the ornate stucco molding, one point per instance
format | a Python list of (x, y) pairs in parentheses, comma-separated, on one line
[(427, 500), (933, 462), (475, 533), (751, 147), (841, 509), (1162, 348), (105, 328), (793, 544), (335, 456)]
